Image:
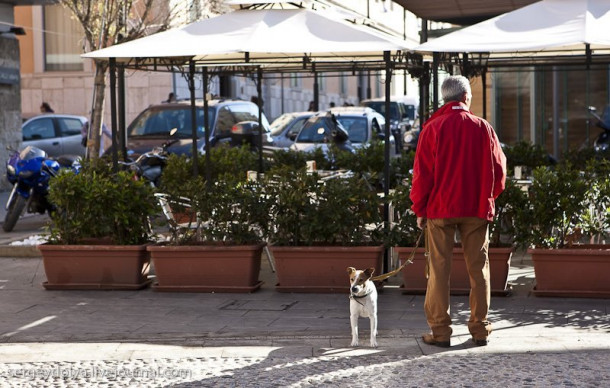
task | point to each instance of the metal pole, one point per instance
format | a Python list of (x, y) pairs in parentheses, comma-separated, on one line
[(386, 168), (193, 118), (425, 97), (435, 81), (259, 73), (404, 37), (206, 128), (484, 85), (424, 80), (316, 92), (113, 115), (122, 121), (282, 92), (587, 103), (555, 113)]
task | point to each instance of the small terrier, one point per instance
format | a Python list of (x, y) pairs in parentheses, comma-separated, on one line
[(363, 302)]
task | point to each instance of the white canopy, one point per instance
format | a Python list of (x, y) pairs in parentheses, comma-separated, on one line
[(548, 27), (255, 36)]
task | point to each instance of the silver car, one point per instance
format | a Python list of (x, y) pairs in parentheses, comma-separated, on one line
[(56, 134), (284, 129)]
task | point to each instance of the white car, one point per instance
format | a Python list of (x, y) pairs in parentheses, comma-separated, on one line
[(361, 124), (56, 134)]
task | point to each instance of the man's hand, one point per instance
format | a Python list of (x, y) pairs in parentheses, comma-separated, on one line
[(421, 222)]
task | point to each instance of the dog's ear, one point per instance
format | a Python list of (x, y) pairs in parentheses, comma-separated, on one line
[(351, 270), (369, 272)]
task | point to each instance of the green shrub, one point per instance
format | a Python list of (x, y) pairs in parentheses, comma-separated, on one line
[(404, 231), (97, 204), (509, 226), (526, 154), (557, 203), (308, 211), (596, 218)]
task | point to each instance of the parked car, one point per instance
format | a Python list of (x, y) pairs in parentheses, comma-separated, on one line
[(399, 117), (411, 137), (284, 129), (56, 134), (362, 125), (410, 107), (152, 126)]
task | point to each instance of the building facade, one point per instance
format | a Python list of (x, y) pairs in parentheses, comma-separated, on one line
[(52, 70)]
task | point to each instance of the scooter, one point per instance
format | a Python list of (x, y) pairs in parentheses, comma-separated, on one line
[(149, 166), (602, 142), (29, 171)]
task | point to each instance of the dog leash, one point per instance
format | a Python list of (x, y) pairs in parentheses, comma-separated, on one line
[(427, 255), (408, 261)]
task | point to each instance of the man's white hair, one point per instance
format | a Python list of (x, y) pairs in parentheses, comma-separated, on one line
[(454, 87)]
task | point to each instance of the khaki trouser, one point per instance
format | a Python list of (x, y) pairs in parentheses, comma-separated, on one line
[(475, 241)]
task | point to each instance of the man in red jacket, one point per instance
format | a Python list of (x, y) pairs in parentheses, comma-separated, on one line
[(459, 171)]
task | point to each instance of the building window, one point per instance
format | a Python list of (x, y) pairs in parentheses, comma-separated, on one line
[(62, 40), (321, 82), (343, 84), (378, 83), (296, 81)]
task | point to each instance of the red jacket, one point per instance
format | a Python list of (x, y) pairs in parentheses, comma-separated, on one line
[(460, 168)]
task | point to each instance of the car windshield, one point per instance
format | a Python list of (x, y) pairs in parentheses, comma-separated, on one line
[(155, 122), (317, 130), (409, 111), (379, 106), (314, 131), (278, 125), (356, 128)]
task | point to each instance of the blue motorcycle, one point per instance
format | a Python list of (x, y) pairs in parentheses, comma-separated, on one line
[(29, 171)]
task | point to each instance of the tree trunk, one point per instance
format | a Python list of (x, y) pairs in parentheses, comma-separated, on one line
[(97, 113)]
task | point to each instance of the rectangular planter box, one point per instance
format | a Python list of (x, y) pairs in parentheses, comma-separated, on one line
[(574, 272), (91, 267), (322, 269), (204, 268), (415, 280)]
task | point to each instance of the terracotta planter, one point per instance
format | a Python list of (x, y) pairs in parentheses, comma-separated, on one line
[(321, 269), (90, 267), (415, 280), (575, 272), (202, 268)]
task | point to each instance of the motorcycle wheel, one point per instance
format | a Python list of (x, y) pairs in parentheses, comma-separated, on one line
[(15, 208)]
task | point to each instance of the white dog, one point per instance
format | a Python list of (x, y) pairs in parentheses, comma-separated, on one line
[(362, 302)]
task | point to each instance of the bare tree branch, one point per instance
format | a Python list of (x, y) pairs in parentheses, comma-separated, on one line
[(104, 22)]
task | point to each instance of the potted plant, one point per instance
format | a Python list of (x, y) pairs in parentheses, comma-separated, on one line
[(99, 230), (568, 207), (222, 251), (506, 232), (322, 226), (523, 157)]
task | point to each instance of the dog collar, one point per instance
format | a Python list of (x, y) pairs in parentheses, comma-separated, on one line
[(360, 296), (353, 296)]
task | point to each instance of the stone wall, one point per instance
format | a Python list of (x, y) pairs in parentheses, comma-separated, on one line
[(10, 103), (71, 92)]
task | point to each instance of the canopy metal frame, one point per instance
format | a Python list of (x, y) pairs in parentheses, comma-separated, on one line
[(387, 62)]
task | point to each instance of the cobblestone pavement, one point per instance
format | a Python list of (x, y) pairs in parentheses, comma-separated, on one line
[(335, 368), (272, 339)]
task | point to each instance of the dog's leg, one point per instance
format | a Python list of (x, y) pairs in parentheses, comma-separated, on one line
[(373, 320), (353, 318)]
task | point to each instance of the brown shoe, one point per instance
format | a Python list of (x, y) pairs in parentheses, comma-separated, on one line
[(480, 341), (430, 340)]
